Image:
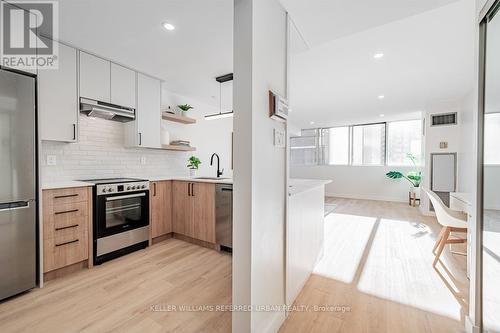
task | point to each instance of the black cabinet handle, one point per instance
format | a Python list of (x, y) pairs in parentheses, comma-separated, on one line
[(227, 189), (192, 189), (140, 139), (154, 189), (66, 196), (66, 243), (67, 227), (189, 189), (74, 131), (66, 212)]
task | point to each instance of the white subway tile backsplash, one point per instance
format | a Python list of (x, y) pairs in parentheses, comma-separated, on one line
[(100, 152)]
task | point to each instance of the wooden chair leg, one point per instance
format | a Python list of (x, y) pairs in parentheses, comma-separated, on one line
[(438, 240), (442, 244)]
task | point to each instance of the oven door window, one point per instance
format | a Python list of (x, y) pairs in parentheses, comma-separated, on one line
[(118, 213)]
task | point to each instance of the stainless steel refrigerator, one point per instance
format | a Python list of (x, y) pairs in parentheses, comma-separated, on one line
[(18, 218)]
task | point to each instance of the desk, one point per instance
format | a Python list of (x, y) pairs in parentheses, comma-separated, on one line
[(463, 202)]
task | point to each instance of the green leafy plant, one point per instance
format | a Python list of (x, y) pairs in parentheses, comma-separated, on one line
[(185, 107), (414, 176), (194, 163)]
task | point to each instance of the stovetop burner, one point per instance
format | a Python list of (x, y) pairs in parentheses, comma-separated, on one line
[(112, 180)]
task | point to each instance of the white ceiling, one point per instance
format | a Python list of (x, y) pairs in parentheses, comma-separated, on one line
[(428, 58), (321, 21), (130, 32)]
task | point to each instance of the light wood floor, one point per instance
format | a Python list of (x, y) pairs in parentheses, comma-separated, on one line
[(117, 296), (377, 268), (377, 265)]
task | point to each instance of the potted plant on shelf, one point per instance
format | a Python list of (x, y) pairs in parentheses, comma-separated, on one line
[(185, 107), (414, 177), (194, 163)]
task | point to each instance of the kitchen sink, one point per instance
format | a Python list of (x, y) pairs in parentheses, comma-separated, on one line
[(211, 178)]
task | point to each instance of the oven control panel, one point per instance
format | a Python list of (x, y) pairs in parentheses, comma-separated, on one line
[(104, 189)]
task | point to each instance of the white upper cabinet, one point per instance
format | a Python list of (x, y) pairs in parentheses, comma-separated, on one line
[(148, 111), (58, 98), (123, 86), (95, 77)]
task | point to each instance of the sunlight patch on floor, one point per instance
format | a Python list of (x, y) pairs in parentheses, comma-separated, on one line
[(346, 237), (399, 268)]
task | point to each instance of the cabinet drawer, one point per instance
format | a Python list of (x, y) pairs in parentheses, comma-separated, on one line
[(66, 214), (65, 249), (64, 196)]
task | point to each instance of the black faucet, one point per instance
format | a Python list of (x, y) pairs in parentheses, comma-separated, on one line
[(219, 172)]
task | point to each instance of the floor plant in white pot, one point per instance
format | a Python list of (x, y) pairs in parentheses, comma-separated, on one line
[(414, 177)]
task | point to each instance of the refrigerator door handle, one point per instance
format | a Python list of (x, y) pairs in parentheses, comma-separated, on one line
[(15, 205)]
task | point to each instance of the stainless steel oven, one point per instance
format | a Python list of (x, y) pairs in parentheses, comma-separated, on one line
[(121, 217)]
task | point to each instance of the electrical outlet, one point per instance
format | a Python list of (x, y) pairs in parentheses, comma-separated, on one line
[(51, 160), (143, 160)]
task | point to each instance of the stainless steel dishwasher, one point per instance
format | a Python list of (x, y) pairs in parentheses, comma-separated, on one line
[(224, 216)]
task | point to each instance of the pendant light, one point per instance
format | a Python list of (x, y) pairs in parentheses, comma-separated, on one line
[(220, 115)]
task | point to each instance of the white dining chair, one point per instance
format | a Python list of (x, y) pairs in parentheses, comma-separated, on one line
[(450, 220)]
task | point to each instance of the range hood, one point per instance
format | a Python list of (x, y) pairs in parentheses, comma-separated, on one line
[(106, 110)]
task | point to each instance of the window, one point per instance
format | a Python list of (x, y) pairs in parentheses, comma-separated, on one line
[(368, 144), (404, 137), (304, 149), (491, 146), (338, 145)]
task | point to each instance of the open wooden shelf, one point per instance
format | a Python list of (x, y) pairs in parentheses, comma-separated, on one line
[(177, 148), (177, 118)]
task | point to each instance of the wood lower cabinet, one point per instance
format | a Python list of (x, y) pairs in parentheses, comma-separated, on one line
[(161, 208), (194, 210), (67, 218)]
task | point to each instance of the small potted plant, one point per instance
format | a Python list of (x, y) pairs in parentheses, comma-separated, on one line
[(414, 177), (185, 107), (194, 163)]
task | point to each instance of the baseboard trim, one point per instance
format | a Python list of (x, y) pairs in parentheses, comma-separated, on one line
[(275, 323), (196, 241), (365, 197), (64, 271), (161, 238), (470, 327)]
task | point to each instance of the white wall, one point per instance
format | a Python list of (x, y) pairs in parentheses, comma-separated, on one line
[(101, 152), (466, 175), (259, 182), (435, 135), (208, 136), (358, 182)]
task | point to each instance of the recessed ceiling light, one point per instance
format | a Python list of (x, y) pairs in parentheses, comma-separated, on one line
[(378, 55), (382, 115), (381, 96), (168, 26), (312, 123)]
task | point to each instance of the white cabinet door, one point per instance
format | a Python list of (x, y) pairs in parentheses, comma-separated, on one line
[(58, 98), (95, 77), (148, 111), (123, 88)]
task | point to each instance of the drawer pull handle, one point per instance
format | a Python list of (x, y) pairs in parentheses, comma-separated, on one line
[(67, 227), (66, 196), (66, 243), (66, 212)]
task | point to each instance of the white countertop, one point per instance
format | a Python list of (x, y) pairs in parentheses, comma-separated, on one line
[(77, 183), (64, 184), (298, 185), (221, 180)]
